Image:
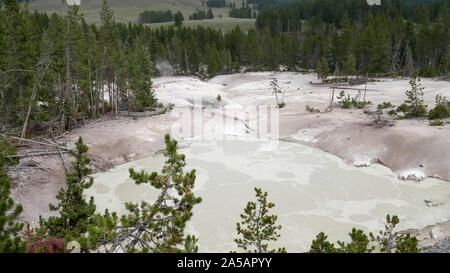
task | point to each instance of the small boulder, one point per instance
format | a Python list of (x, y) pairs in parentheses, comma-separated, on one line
[(73, 247), (361, 164)]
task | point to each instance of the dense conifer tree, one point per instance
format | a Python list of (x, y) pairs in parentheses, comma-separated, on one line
[(75, 211), (10, 228)]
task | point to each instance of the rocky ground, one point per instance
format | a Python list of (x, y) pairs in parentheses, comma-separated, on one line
[(442, 246), (350, 134)]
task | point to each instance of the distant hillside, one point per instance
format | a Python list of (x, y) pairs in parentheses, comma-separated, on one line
[(127, 10)]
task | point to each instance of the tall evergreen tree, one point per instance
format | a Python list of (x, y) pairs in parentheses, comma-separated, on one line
[(323, 69), (413, 105), (350, 65), (178, 19), (75, 212), (10, 240)]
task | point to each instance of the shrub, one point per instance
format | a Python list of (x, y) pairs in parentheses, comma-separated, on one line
[(348, 102), (387, 241), (441, 110), (281, 105), (427, 72), (413, 105), (344, 101), (311, 109), (437, 122), (384, 105)]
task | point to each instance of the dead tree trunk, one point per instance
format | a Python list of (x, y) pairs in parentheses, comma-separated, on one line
[(365, 88), (30, 104)]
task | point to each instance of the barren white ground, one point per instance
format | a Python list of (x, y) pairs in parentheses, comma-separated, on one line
[(314, 191)]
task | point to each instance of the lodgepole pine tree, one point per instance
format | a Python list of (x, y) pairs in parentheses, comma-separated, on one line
[(322, 245), (140, 66), (350, 65), (387, 241), (322, 69), (152, 226), (390, 241), (10, 241), (258, 228), (178, 19), (413, 105), (74, 211)]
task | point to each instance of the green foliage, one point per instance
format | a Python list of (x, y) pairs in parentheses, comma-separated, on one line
[(152, 226), (139, 64), (178, 19), (392, 112), (152, 16), (279, 94), (384, 105), (344, 101), (281, 105), (413, 106), (390, 241), (348, 102), (190, 244), (441, 110), (437, 122), (258, 228), (87, 60), (10, 240), (350, 65), (312, 109), (74, 211), (214, 61), (322, 69), (201, 15), (359, 243), (387, 241), (322, 245)]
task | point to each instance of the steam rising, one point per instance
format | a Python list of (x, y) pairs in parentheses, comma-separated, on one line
[(164, 68)]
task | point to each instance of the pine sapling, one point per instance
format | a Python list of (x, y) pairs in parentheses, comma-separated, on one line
[(258, 228), (75, 211)]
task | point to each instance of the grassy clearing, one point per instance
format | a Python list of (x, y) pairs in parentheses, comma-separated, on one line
[(129, 10)]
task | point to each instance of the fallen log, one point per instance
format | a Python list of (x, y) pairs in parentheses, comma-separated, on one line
[(36, 142), (36, 154)]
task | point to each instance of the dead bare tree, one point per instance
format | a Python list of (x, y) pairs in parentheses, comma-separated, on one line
[(276, 90), (36, 87)]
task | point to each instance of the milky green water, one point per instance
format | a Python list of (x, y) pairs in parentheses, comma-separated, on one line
[(313, 191)]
